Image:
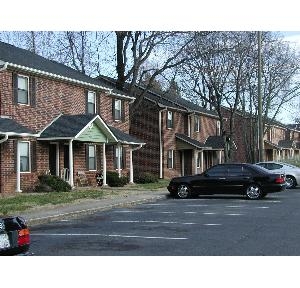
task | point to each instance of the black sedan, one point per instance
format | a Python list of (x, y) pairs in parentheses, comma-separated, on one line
[(245, 179), (14, 236)]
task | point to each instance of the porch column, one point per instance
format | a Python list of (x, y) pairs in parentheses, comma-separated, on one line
[(57, 159), (195, 160), (182, 163), (131, 167), (71, 178), (202, 161), (104, 164), (18, 184), (119, 159), (220, 156)]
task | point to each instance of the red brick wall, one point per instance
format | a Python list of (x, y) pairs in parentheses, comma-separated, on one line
[(52, 98)]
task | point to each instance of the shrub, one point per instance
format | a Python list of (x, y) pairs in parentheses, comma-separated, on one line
[(113, 179), (145, 177), (50, 183)]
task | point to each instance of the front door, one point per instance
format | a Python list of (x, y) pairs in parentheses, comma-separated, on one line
[(52, 159), (187, 161)]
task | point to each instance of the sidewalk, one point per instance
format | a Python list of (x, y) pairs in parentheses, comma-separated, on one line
[(82, 207)]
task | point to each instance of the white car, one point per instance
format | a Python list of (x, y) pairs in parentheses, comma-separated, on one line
[(292, 173)]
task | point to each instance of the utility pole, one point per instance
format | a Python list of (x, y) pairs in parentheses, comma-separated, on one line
[(260, 124)]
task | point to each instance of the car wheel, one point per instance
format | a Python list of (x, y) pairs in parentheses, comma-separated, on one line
[(290, 182), (183, 191), (253, 192)]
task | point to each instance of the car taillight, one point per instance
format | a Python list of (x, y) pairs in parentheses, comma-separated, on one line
[(280, 180), (23, 237)]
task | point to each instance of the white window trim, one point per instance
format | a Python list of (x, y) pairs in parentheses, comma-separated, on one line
[(94, 157), (28, 90), (198, 123), (170, 113), (172, 159), (120, 109), (29, 157), (95, 100)]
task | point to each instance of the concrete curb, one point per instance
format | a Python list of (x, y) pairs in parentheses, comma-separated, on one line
[(76, 211)]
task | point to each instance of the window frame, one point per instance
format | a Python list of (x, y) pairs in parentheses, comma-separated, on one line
[(170, 120), (196, 123), (117, 117), (94, 103), (19, 89), (170, 159), (28, 156), (94, 168)]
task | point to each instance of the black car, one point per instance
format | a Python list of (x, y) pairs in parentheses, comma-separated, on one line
[(245, 179), (14, 236)]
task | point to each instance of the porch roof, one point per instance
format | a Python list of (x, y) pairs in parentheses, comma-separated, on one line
[(189, 142), (85, 128), (10, 127), (287, 144), (216, 142), (272, 145)]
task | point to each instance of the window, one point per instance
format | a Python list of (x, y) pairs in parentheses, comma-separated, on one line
[(118, 154), (23, 90), (24, 153), (170, 163), (92, 157), (117, 109), (196, 123), (170, 119), (218, 128), (91, 102)]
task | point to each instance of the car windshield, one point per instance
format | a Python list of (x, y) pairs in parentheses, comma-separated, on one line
[(261, 168)]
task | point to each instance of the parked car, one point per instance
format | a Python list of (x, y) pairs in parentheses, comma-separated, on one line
[(292, 173), (250, 180), (14, 236)]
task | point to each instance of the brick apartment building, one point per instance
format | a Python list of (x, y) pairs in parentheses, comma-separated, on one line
[(54, 119), (281, 141)]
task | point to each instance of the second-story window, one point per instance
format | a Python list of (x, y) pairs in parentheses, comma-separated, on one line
[(91, 102), (118, 109), (23, 90), (196, 123), (170, 121), (218, 128)]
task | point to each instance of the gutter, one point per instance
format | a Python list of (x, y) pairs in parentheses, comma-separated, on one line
[(4, 139), (59, 77)]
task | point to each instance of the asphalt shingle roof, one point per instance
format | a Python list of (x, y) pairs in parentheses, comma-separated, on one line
[(68, 126), (190, 141), (8, 125), (286, 144), (19, 56), (216, 142)]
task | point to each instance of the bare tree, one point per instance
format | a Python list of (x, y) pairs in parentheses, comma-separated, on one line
[(147, 53)]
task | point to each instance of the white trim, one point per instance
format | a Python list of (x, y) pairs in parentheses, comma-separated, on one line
[(72, 80), (104, 164), (71, 177), (18, 170)]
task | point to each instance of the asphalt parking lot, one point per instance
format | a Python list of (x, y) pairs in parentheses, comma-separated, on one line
[(212, 225)]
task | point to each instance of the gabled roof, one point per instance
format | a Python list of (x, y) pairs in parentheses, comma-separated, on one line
[(190, 141), (24, 60), (11, 127), (272, 144), (71, 126), (163, 101), (67, 127)]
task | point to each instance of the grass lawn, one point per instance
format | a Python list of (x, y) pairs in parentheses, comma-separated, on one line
[(20, 202)]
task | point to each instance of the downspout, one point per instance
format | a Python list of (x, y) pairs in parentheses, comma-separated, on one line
[(131, 162), (160, 144)]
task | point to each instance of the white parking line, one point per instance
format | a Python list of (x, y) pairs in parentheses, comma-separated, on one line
[(209, 213), (108, 235), (235, 206), (233, 214), (190, 212), (197, 205), (154, 221), (262, 207)]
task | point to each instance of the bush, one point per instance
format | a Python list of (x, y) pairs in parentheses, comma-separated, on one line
[(145, 177), (50, 183), (113, 179)]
